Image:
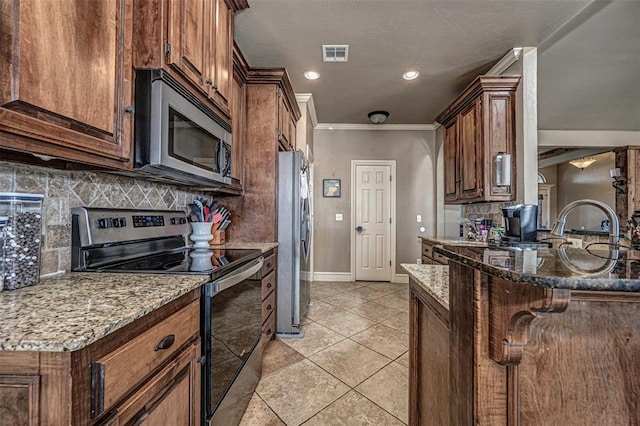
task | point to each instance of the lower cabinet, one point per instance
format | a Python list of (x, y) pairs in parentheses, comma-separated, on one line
[(429, 368), (147, 372), (269, 298), (430, 257)]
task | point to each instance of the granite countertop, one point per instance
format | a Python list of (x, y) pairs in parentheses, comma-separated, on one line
[(265, 247), (73, 310), (574, 269), (456, 241), (434, 279)]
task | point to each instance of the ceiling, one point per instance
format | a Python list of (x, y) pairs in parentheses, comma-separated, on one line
[(450, 42)]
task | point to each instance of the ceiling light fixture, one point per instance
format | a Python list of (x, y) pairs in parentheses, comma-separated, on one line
[(410, 75), (583, 163), (311, 75), (378, 117)]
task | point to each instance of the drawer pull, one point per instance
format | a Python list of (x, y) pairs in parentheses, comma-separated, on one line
[(166, 342), (201, 360), (268, 285), (269, 265), (268, 307), (269, 332)]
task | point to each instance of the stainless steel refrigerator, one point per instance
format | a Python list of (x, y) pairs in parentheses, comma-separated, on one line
[(294, 243)]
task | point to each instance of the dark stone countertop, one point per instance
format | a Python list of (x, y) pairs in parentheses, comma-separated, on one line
[(574, 269)]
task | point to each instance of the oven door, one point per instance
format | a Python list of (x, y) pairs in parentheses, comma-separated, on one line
[(231, 327)]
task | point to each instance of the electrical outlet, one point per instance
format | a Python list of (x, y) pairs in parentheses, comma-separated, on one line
[(575, 242), (419, 218), (418, 261)]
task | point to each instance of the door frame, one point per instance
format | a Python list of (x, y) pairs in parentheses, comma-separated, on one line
[(392, 205)]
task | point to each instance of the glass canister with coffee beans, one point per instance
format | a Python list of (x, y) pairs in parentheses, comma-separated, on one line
[(20, 238)]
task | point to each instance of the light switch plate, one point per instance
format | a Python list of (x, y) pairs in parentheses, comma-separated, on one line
[(419, 218), (338, 217)]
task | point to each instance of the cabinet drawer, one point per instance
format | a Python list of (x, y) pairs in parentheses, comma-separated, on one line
[(268, 305), (269, 326), (116, 373), (268, 284), (440, 258), (268, 265), (427, 250)]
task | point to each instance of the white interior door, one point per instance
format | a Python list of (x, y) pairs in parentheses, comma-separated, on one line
[(372, 227)]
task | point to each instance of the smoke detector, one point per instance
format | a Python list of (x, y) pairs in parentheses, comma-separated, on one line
[(335, 52)]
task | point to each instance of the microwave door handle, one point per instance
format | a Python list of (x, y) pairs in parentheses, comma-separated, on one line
[(227, 159), (240, 275), (217, 155)]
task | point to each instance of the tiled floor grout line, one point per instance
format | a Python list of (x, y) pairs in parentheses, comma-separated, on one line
[(335, 309)]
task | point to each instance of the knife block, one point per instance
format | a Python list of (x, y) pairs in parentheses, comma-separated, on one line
[(218, 238)]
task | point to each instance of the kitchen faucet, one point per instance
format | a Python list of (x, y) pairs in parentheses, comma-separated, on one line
[(614, 230)]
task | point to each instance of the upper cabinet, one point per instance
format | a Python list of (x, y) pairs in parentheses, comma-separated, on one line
[(66, 89), (478, 126), (193, 41)]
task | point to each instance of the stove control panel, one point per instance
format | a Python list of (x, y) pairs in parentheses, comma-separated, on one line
[(112, 222), (144, 221), (95, 226)]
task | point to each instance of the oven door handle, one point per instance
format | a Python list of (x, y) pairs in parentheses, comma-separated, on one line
[(240, 274)]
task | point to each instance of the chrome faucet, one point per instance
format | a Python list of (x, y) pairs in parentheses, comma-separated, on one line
[(614, 229)]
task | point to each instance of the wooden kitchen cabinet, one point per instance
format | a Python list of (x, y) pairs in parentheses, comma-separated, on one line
[(479, 125), (269, 296), (429, 256), (256, 212), (429, 359), (123, 378), (66, 89), (239, 113), (193, 41), (286, 124)]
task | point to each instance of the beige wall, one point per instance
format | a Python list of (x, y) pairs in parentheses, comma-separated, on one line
[(594, 182), (414, 153)]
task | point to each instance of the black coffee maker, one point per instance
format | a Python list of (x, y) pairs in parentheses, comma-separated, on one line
[(521, 224)]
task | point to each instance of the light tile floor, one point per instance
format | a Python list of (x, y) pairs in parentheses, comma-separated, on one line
[(350, 368)]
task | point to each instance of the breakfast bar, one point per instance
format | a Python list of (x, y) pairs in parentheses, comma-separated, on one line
[(525, 337)]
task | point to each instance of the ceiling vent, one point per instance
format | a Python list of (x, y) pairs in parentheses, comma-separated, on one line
[(335, 52)]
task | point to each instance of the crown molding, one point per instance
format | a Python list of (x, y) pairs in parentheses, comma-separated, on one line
[(507, 60), (307, 98), (392, 127)]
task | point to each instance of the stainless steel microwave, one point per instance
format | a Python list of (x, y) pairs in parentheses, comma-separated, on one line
[(178, 139)]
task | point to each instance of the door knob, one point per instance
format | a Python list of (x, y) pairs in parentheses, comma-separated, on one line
[(359, 228)]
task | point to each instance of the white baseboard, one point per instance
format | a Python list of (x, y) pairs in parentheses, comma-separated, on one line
[(401, 278), (305, 276), (332, 276)]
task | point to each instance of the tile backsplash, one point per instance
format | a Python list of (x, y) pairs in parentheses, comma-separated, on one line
[(64, 190), (492, 211)]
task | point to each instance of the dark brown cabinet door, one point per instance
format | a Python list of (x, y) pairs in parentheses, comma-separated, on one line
[(187, 42), (451, 162), (19, 400), (429, 360), (67, 80), (239, 113), (222, 53), (284, 120), (471, 162)]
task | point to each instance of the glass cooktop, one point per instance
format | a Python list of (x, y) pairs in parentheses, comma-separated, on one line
[(185, 261)]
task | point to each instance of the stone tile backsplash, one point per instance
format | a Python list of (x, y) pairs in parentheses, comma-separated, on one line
[(491, 211), (64, 190)]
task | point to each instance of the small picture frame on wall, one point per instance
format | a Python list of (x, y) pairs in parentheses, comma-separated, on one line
[(331, 188)]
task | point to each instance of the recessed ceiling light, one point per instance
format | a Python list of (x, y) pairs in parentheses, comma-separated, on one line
[(312, 75), (410, 75)]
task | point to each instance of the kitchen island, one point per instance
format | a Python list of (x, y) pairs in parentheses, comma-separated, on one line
[(526, 337)]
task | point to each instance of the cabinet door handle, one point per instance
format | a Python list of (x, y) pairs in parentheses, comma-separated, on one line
[(166, 342), (130, 110), (209, 82), (268, 285), (269, 332), (268, 307), (269, 265)]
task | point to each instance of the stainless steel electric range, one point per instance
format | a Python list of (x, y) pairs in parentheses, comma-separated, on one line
[(153, 241)]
